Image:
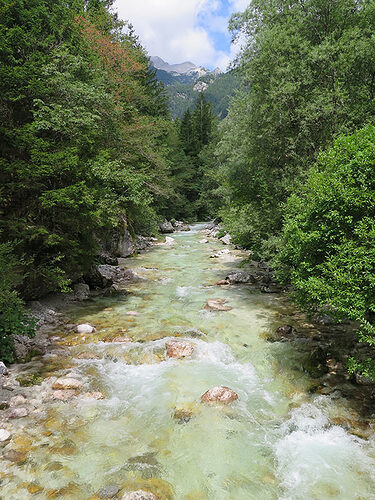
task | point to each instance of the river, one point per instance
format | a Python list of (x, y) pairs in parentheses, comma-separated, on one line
[(278, 441)]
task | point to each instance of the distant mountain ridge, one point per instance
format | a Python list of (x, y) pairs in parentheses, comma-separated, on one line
[(186, 68), (184, 81)]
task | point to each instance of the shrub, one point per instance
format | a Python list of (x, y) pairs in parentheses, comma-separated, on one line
[(327, 249)]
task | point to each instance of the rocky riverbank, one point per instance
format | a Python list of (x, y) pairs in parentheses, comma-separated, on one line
[(324, 344)]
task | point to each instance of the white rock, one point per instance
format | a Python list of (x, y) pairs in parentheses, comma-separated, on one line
[(169, 241), (227, 240), (4, 435), (85, 328), (18, 413), (17, 400), (3, 369)]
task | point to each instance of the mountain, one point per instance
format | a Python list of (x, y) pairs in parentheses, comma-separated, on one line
[(184, 82)]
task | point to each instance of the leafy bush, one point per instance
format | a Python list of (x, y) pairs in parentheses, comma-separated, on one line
[(328, 244), (13, 317)]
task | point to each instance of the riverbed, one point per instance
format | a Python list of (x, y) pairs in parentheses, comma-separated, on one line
[(279, 441)]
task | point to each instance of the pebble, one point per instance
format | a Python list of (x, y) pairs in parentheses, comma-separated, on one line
[(93, 395)]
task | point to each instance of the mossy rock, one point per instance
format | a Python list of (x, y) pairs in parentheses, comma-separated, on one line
[(29, 379)]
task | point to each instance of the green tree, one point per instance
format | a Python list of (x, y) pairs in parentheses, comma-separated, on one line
[(327, 248), (308, 69)]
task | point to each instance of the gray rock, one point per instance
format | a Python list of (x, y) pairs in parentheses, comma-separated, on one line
[(81, 291), (103, 276), (18, 413), (4, 435), (227, 239), (139, 495), (166, 227), (43, 314), (142, 242), (125, 245), (240, 277), (3, 369), (109, 491), (25, 348)]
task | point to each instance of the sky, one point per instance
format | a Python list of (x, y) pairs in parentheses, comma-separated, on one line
[(184, 30)]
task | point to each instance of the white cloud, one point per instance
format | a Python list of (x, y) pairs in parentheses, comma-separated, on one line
[(172, 29)]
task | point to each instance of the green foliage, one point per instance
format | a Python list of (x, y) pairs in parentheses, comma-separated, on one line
[(84, 135), (13, 318), (182, 96), (195, 134), (308, 72), (327, 248)]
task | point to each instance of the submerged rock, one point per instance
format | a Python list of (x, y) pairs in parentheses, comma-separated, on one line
[(183, 416), (132, 313), (87, 355), (85, 328), (109, 491), (122, 339), (179, 349), (14, 456), (216, 305), (220, 394), (286, 331), (66, 383), (93, 395), (139, 495), (223, 282)]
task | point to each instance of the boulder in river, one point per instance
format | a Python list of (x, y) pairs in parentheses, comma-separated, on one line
[(179, 349), (220, 394), (216, 305), (139, 495), (66, 383), (166, 227), (85, 328)]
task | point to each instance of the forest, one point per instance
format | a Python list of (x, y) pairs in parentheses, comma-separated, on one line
[(87, 144)]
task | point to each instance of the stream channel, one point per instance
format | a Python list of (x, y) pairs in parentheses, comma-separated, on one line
[(278, 441)]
